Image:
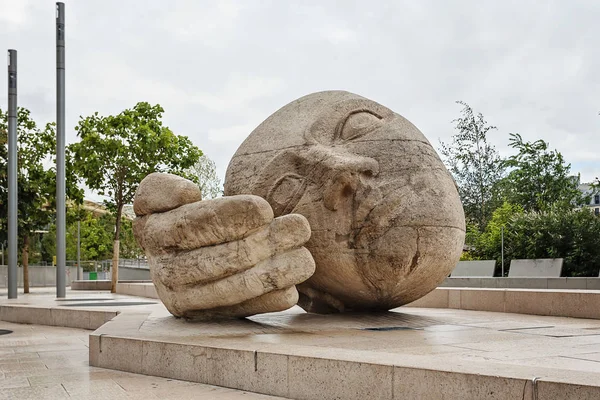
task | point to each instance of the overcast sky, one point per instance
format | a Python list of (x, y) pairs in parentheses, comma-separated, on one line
[(219, 68)]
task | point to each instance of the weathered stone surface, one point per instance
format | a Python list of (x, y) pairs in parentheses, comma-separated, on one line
[(540, 267), (386, 219), (164, 192), (474, 269), (226, 257)]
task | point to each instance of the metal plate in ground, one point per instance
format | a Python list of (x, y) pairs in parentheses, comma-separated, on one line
[(88, 299), (392, 328), (109, 304)]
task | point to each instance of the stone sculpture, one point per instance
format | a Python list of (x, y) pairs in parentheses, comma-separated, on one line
[(385, 222), (226, 257)]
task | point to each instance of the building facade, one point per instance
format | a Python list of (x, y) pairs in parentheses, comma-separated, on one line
[(594, 195)]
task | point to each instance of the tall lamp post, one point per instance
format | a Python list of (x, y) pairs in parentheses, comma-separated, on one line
[(12, 174), (502, 249), (60, 153)]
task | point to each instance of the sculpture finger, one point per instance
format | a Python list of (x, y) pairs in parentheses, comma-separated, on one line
[(160, 192), (279, 272), (277, 300), (206, 264), (205, 223)]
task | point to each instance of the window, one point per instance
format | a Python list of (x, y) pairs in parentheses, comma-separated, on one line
[(597, 199), (597, 211)]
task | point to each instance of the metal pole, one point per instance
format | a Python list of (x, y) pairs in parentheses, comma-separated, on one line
[(78, 250), (12, 174), (60, 152), (502, 236)]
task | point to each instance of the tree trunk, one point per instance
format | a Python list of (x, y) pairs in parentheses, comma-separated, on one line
[(115, 267), (115, 259), (25, 259)]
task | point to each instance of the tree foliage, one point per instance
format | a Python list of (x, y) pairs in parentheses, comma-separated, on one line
[(488, 243), (95, 238), (475, 165), (36, 178), (117, 151), (205, 171), (531, 196), (539, 179), (571, 235), (558, 233)]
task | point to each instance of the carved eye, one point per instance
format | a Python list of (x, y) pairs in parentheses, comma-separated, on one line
[(357, 124), (286, 193)]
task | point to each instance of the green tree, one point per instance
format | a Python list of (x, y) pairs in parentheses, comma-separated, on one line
[(539, 179), (489, 243), (130, 247), (205, 170), (95, 238), (558, 233), (475, 165), (36, 181), (116, 152), (568, 234)]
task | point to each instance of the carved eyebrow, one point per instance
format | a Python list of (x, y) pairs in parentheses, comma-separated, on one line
[(340, 126)]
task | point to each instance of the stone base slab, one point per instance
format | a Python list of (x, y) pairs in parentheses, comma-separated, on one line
[(91, 285), (555, 302), (404, 354), (523, 283), (56, 316), (139, 289), (560, 303)]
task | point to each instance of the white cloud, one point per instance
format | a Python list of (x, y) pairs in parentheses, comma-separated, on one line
[(236, 133), (211, 23), (339, 35), (14, 14), (220, 68), (239, 92)]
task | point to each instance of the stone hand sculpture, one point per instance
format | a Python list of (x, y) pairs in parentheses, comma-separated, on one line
[(226, 257)]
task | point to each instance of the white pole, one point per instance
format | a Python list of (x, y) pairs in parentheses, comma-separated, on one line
[(502, 234), (78, 250)]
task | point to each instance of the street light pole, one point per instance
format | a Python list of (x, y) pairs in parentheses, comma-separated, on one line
[(79, 248), (12, 174), (502, 236), (60, 153)]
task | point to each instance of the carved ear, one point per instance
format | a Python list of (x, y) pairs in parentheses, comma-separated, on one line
[(282, 182), (286, 193)]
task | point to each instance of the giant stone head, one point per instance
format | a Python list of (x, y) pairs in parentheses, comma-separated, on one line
[(386, 219)]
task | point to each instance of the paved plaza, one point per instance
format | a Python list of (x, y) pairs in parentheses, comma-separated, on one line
[(47, 362), (405, 353)]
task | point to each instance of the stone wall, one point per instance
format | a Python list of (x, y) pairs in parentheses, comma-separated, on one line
[(38, 276)]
